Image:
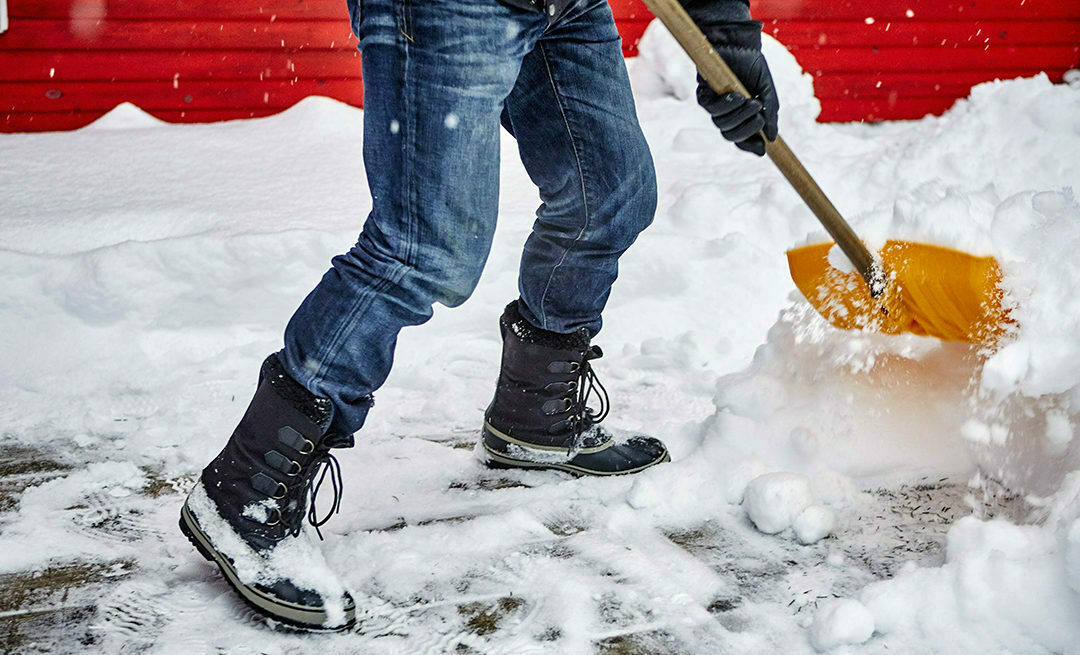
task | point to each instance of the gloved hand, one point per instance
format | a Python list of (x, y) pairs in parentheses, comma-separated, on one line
[(737, 38), (738, 117)]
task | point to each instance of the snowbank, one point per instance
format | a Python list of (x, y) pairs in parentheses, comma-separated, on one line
[(994, 176)]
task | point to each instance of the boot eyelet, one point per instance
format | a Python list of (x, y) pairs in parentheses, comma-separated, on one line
[(575, 367), (274, 511), (295, 469), (284, 491), (308, 448)]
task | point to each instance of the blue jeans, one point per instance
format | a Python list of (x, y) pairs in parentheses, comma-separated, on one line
[(440, 76)]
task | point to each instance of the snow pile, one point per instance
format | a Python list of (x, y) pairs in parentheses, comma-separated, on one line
[(884, 409), (1003, 582)]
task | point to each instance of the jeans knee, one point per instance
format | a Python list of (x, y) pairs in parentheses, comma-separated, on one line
[(636, 192), (453, 285), (645, 198)]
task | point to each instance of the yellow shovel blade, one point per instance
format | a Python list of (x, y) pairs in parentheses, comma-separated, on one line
[(932, 291)]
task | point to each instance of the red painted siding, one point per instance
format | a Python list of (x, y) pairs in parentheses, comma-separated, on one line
[(900, 59), (895, 59), (64, 63)]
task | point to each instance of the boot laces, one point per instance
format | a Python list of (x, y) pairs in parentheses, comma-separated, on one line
[(588, 383), (323, 465), (326, 464)]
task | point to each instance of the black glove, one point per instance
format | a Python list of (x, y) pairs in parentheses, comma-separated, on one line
[(727, 25)]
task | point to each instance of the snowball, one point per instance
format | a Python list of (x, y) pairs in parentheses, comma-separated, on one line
[(814, 524), (839, 622), (773, 501)]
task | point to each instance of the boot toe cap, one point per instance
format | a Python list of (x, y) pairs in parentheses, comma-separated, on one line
[(304, 608)]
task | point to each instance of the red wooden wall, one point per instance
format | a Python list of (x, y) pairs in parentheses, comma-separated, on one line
[(63, 63), (896, 59)]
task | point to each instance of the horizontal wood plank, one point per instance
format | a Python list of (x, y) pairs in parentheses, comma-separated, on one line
[(919, 9), (821, 10), (1004, 59), (803, 33), (51, 34), (849, 86), (884, 109), (195, 65), (196, 9), (96, 96)]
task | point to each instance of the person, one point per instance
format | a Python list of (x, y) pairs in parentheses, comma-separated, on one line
[(440, 78)]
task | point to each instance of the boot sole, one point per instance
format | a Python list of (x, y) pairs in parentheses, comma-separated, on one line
[(297, 616), (495, 459)]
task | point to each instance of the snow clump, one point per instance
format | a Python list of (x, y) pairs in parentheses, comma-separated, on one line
[(773, 501), (840, 622), (814, 524), (778, 501)]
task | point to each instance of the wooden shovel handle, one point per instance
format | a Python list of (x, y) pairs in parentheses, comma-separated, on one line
[(719, 76)]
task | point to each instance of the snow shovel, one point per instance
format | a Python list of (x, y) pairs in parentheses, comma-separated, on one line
[(909, 287)]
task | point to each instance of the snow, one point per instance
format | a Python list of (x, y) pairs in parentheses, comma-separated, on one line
[(775, 500), (841, 622), (934, 488), (297, 559), (814, 524)]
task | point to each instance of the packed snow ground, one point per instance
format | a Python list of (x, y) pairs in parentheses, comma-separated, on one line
[(148, 269)]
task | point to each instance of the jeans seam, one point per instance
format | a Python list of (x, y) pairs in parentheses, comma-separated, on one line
[(405, 19), (412, 240), (581, 175)]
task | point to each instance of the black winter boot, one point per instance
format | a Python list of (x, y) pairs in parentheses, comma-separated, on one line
[(539, 417), (246, 512)]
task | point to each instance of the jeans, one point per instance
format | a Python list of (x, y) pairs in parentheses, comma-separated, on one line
[(440, 76)]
